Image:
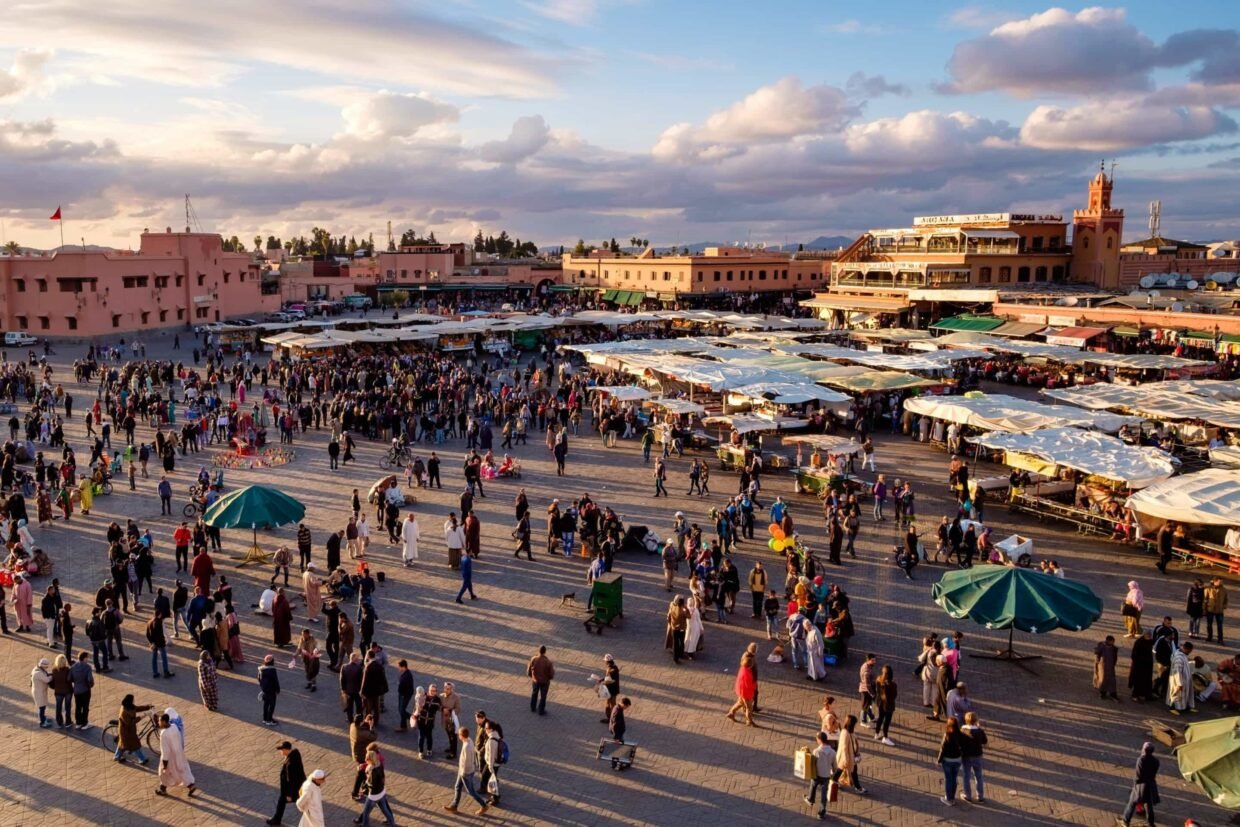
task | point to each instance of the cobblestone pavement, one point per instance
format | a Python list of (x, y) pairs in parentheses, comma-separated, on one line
[(1057, 755)]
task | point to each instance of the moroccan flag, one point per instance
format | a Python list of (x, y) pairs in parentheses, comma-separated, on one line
[(56, 215)]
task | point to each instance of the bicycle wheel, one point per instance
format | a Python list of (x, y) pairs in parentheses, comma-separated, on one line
[(109, 736), (386, 462), (152, 742), (106, 488), (190, 510)]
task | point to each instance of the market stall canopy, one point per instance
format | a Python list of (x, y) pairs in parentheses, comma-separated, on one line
[(1088, 452), (1209, 497), (865, 381), (968, 321), (1227, 456), (1228, 391), (823, 443), (1151, 402), (1075, 336), (751, 423), (890, 334), (1005, 597), (1210, 758), (923, 361), (818, 350), (788, 393), (1134, 361), (625, 393), (998, 412), (677, 406)]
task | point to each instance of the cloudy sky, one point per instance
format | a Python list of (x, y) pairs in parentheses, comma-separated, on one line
[(556, 119)]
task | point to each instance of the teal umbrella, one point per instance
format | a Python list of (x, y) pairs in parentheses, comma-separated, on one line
[(254, 507), (1001, 597)]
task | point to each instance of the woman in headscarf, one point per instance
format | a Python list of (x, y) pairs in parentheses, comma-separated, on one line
[(208, 682), (281, 620), (815, 646), (746, 688), (1134, 604), (693, 637), (66, 500), (233, 635), (1141, 671)]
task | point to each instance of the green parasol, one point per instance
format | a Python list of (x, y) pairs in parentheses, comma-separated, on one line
[(1001, 597), (254, 507), (1210, 758)]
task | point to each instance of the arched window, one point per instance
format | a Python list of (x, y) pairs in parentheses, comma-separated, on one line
[(1022, 274)]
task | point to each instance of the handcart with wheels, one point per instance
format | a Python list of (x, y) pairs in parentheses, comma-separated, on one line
[(619, 755)]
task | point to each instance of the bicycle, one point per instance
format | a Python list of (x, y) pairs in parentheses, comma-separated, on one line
[(395, 457), (148, 733)]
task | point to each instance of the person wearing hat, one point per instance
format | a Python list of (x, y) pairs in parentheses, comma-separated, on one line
[(310, 800), (292, 777), (40, 680), (1144, 786)]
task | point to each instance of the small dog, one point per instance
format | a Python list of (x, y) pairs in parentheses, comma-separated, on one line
[(569, 599)]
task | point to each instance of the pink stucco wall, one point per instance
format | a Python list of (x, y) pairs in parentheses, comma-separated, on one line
[(174, 280)]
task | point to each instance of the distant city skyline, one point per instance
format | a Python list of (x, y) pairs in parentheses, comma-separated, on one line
[(565, 119)]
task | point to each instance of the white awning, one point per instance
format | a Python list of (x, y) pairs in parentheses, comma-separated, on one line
[(1007, 234), (1088, 452), (625, 393), (1209, 497)]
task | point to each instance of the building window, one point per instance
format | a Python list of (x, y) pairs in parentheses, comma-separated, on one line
[(161, 281), (45, 322), (1005, 274), (1037, 242), (116, 320), (200, 312), (667, 276), (23, 322), (1040, 274), (180, 280), (180, 314), (1057, 273), (404, 274), (202, 277), (701, 276), (786, 276), (42, 285), (146, 317), (606, 274), (1054, 242), (21, 285), (1085, 242), (72, 320), (241, 278), (761, 275), (134, 281), (226, 275), (729, 275), (983, 275), (626, 274), (716, 275), (163, 315), (1110, 242), (1022, 274)]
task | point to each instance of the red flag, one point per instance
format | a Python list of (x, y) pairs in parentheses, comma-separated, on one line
[(56, 215)]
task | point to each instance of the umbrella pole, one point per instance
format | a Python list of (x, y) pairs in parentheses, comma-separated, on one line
[(254, 554), (1009, 654)]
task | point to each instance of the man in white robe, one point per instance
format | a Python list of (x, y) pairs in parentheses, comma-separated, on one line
[(310, 801), (173, 766), (312, 588), (816, 670), (409, 533), (1180, 694)]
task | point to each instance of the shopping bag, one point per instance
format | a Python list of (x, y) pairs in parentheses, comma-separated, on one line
[(603, 692), (804, 765), (833, 792)]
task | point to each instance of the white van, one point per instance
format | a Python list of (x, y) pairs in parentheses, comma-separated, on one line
[(17, 338)]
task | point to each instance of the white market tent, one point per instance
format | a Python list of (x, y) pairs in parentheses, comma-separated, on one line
[(677, 406), (826, 444), (745, 423), (1088, 452), (1133, 361), (1209, 497), (1151, 402), (625, 393), (1226, 457), (998, 412), (795, 393)]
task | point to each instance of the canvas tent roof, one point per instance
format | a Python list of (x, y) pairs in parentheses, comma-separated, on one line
[(749, 423), (625, 393), (1088, 452), (1010, 413), (1209, 497)]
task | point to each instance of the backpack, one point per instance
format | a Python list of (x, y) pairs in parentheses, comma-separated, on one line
[(503, 751)]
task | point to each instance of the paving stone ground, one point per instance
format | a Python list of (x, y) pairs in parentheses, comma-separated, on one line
[(1057, 755)]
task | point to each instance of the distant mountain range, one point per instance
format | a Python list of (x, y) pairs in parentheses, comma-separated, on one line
[(822, 242)]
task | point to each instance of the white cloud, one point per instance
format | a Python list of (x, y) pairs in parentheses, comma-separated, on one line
[(1121, 124), (861, 85), (575, 12), (25, 75), (383, 115), (851, 27), (529, 134), (1094, 50), (926, 136), (195, 44), (782, 110)]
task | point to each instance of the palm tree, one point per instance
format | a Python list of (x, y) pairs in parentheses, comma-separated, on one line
[(13, 248)]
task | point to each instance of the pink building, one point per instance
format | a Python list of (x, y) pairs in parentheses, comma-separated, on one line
[(173, 280)]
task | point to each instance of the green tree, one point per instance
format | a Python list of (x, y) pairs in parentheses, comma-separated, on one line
[(273, 243), (370, 243), (408, 238), (12, 247), (479, 242), (431, 238), (614, 247), (258, 243), (580, 249), (352, 248)]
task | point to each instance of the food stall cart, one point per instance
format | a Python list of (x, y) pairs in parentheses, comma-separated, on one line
[(826, 468), (748, 431)]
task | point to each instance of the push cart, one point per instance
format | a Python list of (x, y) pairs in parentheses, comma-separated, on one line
[(606, 601), (619, 755)]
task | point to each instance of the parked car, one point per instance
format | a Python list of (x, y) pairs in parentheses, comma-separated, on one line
[(17, 338), (209, 327)]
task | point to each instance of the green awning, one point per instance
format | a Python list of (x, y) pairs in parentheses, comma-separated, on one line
[(1198, 334), (1125, 331), (609, 295), (636, 297), (979, 324), (1210, 758), (563, 288), (1229, 338)]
